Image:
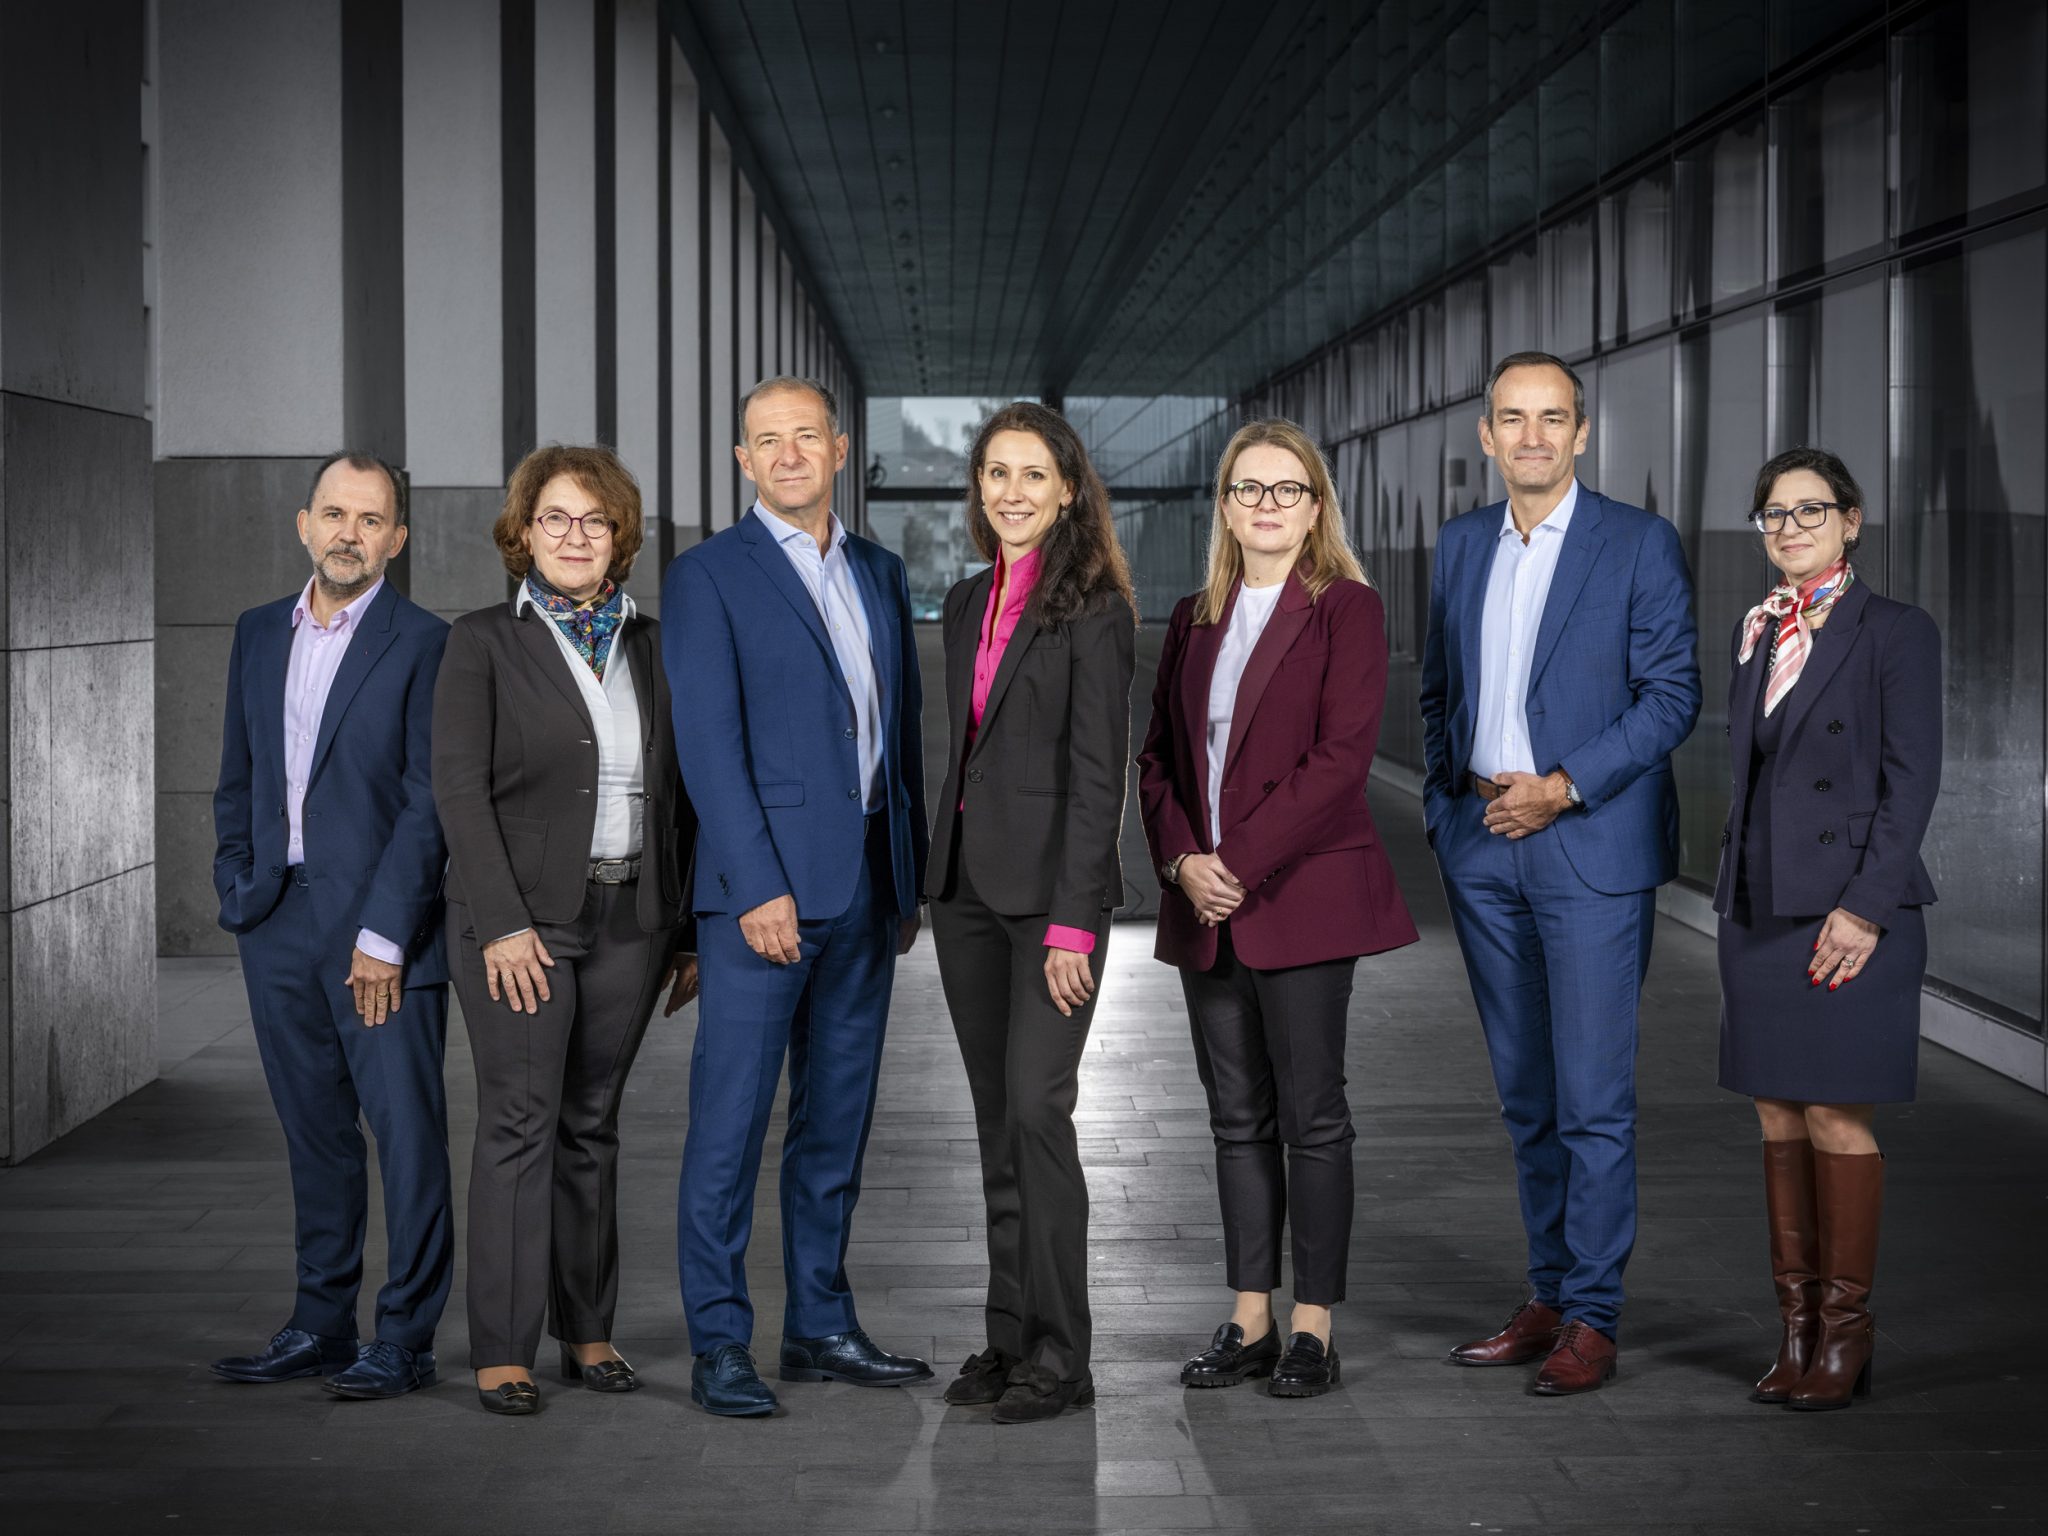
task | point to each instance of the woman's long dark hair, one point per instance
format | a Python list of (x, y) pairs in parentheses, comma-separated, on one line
[(1080, 556)]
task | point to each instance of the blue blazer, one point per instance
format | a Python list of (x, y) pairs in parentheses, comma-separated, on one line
[(765, 732), (373, 849), (1857, 770), (1614, 686)]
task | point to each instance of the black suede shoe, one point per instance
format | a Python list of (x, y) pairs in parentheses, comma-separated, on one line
[(983, 1378), (291, 1355), (604, 1376), (1229, 1360), (1307, 1369), (383, 1369), (1035, 1394), (725, 1382), (850, 1356)]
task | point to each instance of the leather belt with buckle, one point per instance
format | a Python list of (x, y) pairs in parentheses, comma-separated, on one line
[(1486, 789), (613, 871)]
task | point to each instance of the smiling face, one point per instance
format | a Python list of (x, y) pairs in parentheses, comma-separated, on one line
[(574, 563), (351, 530), (1535, 434), (1270, 529), (1022, 492), (790, 453), (1800, 553)]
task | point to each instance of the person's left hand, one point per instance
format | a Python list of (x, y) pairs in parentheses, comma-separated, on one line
[(1069, 979), (907, 934), (377, 986), (1843, 949), (681, 980), (1530, 803)]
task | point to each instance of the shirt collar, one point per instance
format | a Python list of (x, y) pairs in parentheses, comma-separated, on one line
[(1023, 577), (523, 600), (1559, 520), (787, 533), (344, 618)]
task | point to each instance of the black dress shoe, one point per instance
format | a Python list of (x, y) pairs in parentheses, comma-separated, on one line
[(850, 1356), (1307, 1369), (604, 1376), (1036, 1394), (383, 1369), (725, 1382), (291, 1354), (983, 1378), (1229, 1360), (514, 1399)]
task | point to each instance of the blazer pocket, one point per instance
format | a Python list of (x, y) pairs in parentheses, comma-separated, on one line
[(789, 792), (1859, 829), (526, 845)]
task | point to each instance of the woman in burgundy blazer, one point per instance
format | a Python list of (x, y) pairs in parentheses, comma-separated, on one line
[(1252, 779)]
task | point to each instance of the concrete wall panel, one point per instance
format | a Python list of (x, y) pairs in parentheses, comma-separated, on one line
[(565, 198), (225, 535), (187, 910), (191, 684), (79, 545), (455, 565)]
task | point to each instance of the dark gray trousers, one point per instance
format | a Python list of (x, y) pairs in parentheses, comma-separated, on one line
[(543, 1182), (1269, 1046), (1024, 1069)]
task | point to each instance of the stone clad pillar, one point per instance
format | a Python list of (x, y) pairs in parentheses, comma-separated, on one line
[(77, 903)]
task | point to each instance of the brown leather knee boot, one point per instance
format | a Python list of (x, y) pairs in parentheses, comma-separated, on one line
[(1848, 1197), (1795, 1264)]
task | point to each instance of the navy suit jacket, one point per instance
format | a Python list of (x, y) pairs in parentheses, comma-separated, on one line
[(765, 725), (1857, 769), (374, 857), (1614, 685)]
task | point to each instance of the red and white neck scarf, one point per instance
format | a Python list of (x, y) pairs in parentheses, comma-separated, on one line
[(1793, 608)]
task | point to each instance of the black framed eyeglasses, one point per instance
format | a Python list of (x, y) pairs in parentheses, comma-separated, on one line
[(1808, 514), (596, 526), (1249, 493)]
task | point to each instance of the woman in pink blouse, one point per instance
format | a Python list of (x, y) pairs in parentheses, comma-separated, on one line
[(1024, 876)]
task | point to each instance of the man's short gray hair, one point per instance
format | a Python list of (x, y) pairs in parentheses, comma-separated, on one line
[(1538, 360), (782, 381)]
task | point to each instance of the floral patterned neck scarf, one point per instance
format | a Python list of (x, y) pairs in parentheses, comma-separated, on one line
[(590, 625)]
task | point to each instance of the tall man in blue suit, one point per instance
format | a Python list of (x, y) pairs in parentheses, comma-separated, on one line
[(1559, 675), (329, 873), (793, 671)]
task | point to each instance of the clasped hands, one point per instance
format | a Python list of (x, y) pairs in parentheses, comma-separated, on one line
[(1214, 890)]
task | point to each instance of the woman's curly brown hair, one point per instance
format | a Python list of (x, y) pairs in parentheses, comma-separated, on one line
[(599, 471)]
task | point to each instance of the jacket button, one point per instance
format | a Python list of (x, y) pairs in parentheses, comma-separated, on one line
[(974, 775), (276, 872), (1834, 727), (1727, 730), (1823, 785), (1827, 837), (853, 794), (1269, 786), (852, 734), (1724, 837)]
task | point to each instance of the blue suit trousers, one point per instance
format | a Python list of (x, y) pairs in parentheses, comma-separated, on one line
[(327, 1072), (1557, 972)]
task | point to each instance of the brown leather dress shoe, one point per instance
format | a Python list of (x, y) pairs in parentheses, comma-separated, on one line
[(1529, 1335), (1583, 1361)]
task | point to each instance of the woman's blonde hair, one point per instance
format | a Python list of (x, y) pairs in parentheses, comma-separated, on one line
[(1328, 553)]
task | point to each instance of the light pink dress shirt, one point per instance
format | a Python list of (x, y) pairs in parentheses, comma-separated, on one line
[(994, 639), (317, 650)]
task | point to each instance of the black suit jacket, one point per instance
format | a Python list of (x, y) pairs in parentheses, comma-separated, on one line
[(1858, 769), (1044, 783), (515, 776)]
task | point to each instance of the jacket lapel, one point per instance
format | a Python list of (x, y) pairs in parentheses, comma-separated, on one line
[(640, 656), (1744, 684), (1281, 631), (1006, 670), (961, 645), (1468, 597), (1205, 641), (364, 649), (881, 623), (1826, 657), (1582, 543), (269, 666), (532, 627), (775, 564)]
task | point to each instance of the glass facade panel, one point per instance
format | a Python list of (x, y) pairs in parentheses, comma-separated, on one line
[(1972, 127), (1635, 82), (1827, 152), (1513, 324), (1569, 143), (1566, 263), (1721, 46), (1797, 25), (1635, 259), (1631, 436), (1828, 364), (1720, 203), (932, 538)]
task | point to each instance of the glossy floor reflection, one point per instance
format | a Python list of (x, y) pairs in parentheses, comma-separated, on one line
[(157, 1237)]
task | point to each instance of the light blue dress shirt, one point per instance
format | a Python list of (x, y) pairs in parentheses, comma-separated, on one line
[(1516, 589), (828, 576)]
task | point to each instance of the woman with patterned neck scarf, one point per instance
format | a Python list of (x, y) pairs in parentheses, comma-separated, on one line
[(568, 836), (1834, 726)]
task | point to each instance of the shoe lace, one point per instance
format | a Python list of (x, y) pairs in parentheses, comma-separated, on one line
[(382, 1352), (730, 1358)]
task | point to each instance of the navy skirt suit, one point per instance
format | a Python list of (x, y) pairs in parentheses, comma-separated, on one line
[(1829, 801)]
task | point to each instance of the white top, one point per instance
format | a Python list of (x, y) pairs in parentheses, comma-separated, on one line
[(828, 577), (1516, 589), (1248, 620), (614, 707)]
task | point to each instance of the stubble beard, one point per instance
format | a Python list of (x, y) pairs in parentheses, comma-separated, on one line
[(333, 586)]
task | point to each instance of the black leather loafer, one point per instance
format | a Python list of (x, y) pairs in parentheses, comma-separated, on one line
[(1307, 1369), (1035, 1394), (291, 1355), (983, 1378), (604, 1376), (851, 1356), (725, 1382), (514, 1399), (1229, 1360), (383, 1369)]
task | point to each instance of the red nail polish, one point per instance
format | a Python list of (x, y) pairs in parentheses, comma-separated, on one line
[(1832, 985)]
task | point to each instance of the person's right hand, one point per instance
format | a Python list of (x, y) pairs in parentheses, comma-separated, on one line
[(516, 968), (770, 931), (1214, 890)]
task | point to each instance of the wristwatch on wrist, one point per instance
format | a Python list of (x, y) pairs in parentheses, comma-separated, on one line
[(1572, 796), (1170, 870)]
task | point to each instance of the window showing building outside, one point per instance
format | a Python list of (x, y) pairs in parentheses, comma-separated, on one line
[(916, 471)]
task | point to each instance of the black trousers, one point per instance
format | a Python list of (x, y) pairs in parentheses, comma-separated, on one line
[(543, 1182), (1024, 1070), (1269, 1046)]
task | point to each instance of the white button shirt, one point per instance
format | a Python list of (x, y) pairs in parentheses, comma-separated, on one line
[(1516, 589), (614, 707), (1248, 621)]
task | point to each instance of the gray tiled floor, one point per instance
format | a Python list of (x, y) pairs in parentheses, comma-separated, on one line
[(159, 1236)]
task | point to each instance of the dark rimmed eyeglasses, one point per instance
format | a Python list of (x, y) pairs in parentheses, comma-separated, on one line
[(1249, 493), (1808, 514), (596, 526)]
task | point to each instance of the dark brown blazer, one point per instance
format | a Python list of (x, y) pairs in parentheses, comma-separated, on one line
[(515, 776)]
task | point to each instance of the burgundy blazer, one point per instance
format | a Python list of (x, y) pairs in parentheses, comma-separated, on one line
[(1296, 827)]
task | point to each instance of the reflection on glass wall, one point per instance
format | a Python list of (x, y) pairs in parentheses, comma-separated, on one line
[(932, 538)]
